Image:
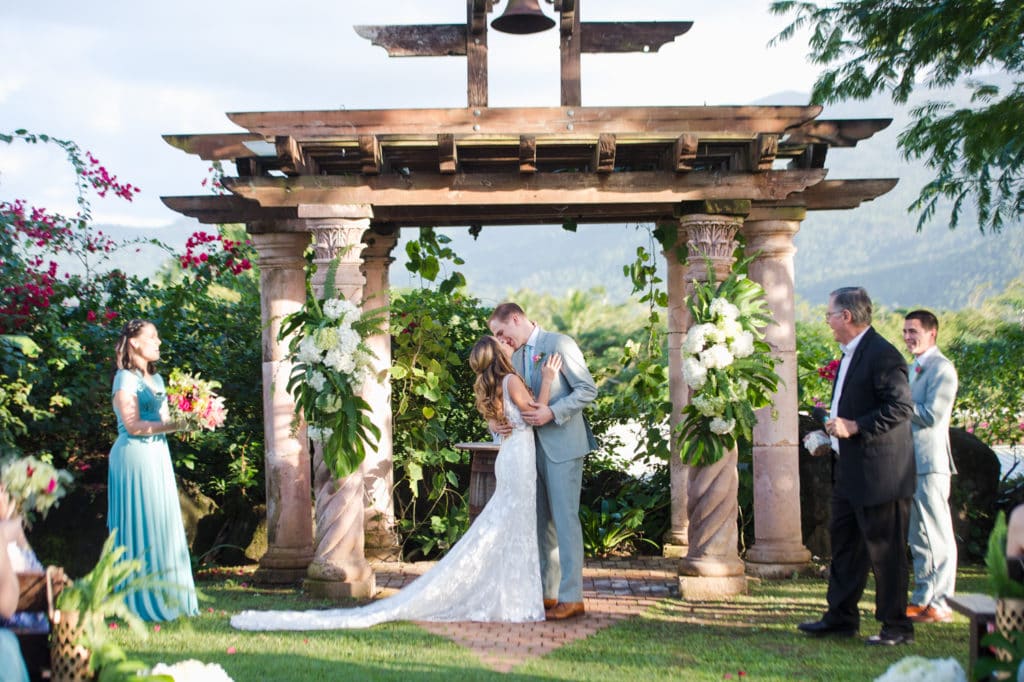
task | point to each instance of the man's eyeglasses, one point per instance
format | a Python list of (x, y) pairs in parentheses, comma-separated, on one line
[(830, 313)]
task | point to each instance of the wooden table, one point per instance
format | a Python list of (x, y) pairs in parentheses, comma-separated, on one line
[(481, 475), (981, 610)]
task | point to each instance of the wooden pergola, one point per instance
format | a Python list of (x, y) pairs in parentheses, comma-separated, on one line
[(350, 180)]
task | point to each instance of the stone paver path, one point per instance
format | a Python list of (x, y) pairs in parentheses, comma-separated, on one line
[(613, 590)]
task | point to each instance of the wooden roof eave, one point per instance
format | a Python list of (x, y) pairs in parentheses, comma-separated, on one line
[(836, 132), (214, 146), (583, 121), (831, 195), (512, 190)]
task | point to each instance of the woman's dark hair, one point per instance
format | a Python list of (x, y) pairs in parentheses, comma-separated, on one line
[(123, 350)]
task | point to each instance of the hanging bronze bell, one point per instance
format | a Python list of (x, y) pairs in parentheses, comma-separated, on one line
[(521, 17)]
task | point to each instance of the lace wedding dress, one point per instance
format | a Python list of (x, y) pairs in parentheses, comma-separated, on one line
[(491, 574)]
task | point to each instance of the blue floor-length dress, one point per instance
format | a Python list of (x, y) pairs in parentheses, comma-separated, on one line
[(142, 506)]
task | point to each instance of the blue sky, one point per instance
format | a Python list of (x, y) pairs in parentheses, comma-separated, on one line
[(115, 76)]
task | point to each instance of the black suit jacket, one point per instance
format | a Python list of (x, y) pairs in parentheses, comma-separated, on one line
[(877, 464)]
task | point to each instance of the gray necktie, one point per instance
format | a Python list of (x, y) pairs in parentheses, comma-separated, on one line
[(527, 363)]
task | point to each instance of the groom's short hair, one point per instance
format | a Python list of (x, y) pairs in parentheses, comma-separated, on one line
[(505, 311)]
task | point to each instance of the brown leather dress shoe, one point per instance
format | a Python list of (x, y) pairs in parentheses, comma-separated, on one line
[(913, 610), (565, 609), (549, 604), (933, 615)]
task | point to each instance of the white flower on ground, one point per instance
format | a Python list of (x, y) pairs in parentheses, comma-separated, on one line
[(722, 426), (743, 345), (192, 671), (921, 669), (694, 373), (716, 357)]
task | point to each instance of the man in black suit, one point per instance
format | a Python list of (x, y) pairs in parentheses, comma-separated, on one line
[(873, 476)]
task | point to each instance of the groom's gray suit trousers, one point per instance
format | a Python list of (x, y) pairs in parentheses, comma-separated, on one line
[(558, 525)]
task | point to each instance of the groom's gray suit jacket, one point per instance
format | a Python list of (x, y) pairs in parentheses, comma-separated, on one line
[(933, 391), (568, 436)]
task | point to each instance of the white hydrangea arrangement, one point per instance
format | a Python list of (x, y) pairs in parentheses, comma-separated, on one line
[(331, 363), (727, 365), (921, 669)]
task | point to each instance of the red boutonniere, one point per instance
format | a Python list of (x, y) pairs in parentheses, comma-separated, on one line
[(918, 369), (829, 371), (537, 357)]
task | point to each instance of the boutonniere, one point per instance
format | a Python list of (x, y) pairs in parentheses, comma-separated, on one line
[(918, 368), (537, 357)]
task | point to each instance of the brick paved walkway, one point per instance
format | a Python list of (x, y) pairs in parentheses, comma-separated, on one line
[(613, 590)]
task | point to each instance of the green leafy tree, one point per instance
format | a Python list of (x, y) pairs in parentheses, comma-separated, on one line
[(976, 152)]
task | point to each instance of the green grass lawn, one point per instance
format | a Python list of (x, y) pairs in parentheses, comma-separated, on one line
[(754, 635)]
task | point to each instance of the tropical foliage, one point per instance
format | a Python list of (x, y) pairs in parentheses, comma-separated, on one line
[(976, 152)]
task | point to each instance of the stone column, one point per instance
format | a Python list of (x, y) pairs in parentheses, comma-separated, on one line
[(712, 568), (675, 541), (378, 470), (289, 510), (778, 550), (339, 568)]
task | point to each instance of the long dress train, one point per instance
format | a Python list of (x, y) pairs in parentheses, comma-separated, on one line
[(142, 506), (491, 574)]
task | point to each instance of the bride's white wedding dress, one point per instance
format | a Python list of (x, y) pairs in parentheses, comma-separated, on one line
[(491, 574)]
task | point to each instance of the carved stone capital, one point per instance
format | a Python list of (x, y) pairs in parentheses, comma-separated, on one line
[(710, 237)]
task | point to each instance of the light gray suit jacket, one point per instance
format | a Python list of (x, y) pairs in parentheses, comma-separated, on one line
[(933, 391), (568, 436)]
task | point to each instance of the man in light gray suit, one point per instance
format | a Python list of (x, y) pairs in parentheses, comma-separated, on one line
[(933, 385), (563, 438)]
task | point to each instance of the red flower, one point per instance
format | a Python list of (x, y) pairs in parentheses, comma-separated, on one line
[(829, 371), (91, 316), (51, 486), (109, 315)]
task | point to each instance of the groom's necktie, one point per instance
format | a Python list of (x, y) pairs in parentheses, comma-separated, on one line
[(527, 363)]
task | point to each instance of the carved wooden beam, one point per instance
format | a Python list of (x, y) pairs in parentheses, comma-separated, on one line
[(812, 156), (604, 154), (837, 133), (682, 154), (583, 121), (519, 190), (527, 154), (629, 36), (763, 151), (476, 52), (447, 154), (828, 195), (293, 160), (417, 40), (216, 146), (372, 156)]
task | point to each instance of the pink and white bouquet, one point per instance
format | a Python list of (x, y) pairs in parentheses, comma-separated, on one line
[(33, 484), (194, 402)]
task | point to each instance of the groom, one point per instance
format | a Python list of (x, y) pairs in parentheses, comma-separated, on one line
[(563, 438)]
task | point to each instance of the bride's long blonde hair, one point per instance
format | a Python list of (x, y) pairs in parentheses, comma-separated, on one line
[(491, 366)]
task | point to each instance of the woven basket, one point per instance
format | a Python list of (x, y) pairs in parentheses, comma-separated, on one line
[(69, 661), (1009, 622), (32, 587)]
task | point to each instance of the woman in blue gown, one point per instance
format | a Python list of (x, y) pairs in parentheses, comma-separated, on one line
[(142, 495)]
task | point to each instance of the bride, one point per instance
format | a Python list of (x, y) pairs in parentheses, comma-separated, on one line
[(493, 572)]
